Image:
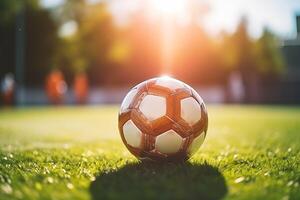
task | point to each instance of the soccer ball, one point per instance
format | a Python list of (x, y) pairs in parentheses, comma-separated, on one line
[(163, 119)]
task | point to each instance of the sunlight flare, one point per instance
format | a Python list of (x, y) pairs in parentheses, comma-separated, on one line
[(168, 7)]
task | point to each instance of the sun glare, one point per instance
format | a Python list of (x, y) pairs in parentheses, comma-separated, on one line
[(165, 76), (168, 7), (169, 11)]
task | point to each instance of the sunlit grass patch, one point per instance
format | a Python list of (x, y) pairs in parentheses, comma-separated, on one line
[(251, 152)]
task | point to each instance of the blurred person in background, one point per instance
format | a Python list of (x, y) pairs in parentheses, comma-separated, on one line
[(81, 87), (7, 89), (56, 87)]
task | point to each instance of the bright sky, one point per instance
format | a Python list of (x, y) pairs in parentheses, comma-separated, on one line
[(278, 15)]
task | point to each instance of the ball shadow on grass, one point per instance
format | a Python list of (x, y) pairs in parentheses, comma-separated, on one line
[(160, 181)]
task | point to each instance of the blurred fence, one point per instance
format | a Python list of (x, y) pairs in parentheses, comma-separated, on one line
[(38, 96)]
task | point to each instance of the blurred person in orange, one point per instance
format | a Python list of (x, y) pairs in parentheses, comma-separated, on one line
[(81, 87), (56, 87)]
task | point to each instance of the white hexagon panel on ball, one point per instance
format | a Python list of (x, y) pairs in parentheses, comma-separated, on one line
[(127, 100), (197, 142), (168, 142), (153, 107), (190, 110), (132, 134), (170, 83)]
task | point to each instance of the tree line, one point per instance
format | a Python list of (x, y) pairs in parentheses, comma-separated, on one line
[(113, 55)]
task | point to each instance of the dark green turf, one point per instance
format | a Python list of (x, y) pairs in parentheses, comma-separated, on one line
[(251, 152)]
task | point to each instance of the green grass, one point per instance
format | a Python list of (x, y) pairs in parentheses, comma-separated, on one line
[(251, 152)]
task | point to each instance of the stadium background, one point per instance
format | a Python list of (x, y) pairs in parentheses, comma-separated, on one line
[(102, 48)]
